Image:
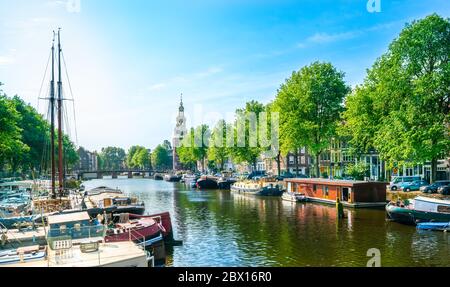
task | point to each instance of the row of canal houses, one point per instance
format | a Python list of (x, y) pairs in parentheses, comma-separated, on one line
[(333, 163)]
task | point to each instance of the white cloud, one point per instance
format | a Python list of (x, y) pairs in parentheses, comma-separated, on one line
[(327, 38)]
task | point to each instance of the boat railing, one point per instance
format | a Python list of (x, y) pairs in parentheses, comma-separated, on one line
[(140, 241), (62, 240), (4, 235), (75, 233)]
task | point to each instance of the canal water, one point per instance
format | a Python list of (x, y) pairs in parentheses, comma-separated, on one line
[(225, 229)]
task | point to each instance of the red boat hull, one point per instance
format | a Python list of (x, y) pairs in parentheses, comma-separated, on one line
[(161, 224), (162, 218)]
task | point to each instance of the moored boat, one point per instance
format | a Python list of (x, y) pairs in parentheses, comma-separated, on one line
[(172, 178), (418, 210), (145, 231), (158, 176), (207, 182), (163, 219), (225, 183), (110, 201), (259, 189), (294, 197), (73, 240), (22, 254), (435, 226)]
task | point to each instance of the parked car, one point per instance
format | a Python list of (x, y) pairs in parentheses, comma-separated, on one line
[(397, 182), (413, 186), (444, 190), (256, 174), (433, 188)]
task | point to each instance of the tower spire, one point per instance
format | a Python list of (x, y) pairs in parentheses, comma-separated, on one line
[(181, 103)]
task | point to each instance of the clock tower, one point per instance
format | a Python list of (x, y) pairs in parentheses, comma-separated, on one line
[(178, 135)]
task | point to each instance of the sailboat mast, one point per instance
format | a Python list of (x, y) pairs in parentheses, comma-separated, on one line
[(52, 120), (60, 135)]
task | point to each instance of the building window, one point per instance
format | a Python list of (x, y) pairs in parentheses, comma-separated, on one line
[(291, 160), (348, 158)]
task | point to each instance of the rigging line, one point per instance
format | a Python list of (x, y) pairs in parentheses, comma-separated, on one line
[(45, 152), (43, 79), (73, 100), (66, 121)]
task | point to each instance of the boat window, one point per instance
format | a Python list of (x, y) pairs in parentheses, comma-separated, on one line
[(63, 228), (325, 188), (314, 188), (77, 227), (443, 209)]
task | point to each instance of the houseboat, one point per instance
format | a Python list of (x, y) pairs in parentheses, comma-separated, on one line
[(351, 193), (102, 200), (73, 240), (259, 188), (418, 210)]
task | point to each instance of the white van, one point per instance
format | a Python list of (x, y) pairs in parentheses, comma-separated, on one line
[(397, 182)]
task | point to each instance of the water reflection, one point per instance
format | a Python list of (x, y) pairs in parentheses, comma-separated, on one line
[(222, 228)]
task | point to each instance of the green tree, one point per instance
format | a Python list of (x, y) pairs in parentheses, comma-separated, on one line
[(34, 135), (138, 157), (310, 103), (202, 137), (112, 158), (358, 171), (186, 150), (131, 152), (10, 132), (160, 158), (194, 147), (25, 137), (167, 145), (248, 148), (274, 148), (219, 149), (402, 109), (141, 158)]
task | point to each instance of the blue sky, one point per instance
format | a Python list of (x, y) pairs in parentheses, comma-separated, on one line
[(128, 61)]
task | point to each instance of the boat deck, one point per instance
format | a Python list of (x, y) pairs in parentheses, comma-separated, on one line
[(117, 254), (92, 201), (29, 235)]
